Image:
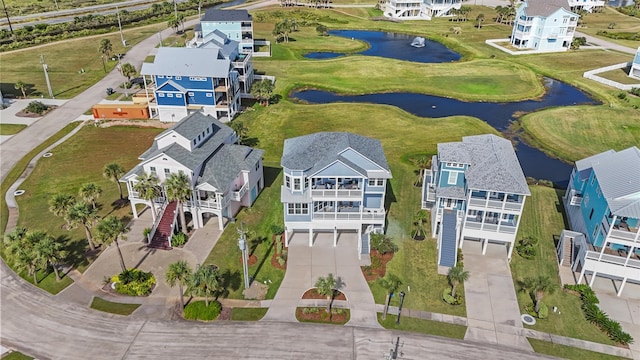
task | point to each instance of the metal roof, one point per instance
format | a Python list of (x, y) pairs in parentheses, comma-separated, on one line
[(203, 62), (545, 8), (618, 175)]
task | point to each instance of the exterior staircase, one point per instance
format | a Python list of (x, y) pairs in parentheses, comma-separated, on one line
[(160, 238), (448, 248), (567, 245)]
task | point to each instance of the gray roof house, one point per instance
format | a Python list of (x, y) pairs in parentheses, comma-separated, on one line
[(223, 175), (475, 190), (334, 182)]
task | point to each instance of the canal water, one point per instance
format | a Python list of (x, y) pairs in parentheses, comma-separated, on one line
[(534, 162)]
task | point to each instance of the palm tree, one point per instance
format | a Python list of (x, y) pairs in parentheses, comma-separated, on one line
[(82, 213), (49, 251), (148, 189), (241, 131), (178, 189), (128, 71), (418, 220), (537, 288), (457, 275), (205, 281), (113, 171), (263, 91), (90, 192), (20, 245), (327, 286), (174, 22), (480, 20), (423, 164), (59, 204), (105, 47), (179, 273), (391, 283), (19, 85), (110, 229)]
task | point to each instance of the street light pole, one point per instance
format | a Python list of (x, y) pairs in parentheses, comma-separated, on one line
[(400, 307), (242, 244), (8, 19), (124, 42), (45, 67)]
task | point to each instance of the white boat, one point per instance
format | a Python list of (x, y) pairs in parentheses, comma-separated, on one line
[(418, 42)]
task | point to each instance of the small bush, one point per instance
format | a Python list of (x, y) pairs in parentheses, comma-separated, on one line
[(526, 247), (198, 310), (622, 96), (276, 229), (134, 282), (179, 239), (37, 107), (446, 296), (635, 91), (543, 313), (146, 232), (383, 244)]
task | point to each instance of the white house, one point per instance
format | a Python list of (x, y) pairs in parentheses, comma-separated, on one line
[(634, 71), (544, 25), (334, 182), (237, 25), (224, 175), (475, 190), (602, 203), (420, 9), (587, 5)]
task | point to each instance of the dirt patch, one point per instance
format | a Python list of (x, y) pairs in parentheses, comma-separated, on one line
[(225, 314), (251, 260), (320, 315), (257, 291), (313, 294), (138, 123), (378, 267)]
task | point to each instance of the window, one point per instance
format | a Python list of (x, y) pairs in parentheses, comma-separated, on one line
[(194, 141), (169, 77), (449, 204), (593, 179), (178, 95), (169, 95), (591, 214), (296, 183), (190, 93), (197, 78), (455, 165), (453, 177), (473, 212), (298, 209), (380, 182), (586, 200), (372, 182), (160, 94), (209, 94), (287, 181), (178, 77), (257, 164), (153, 170), (160, 76), (595, 232), (599, 192), (167, 171), (376, 182)]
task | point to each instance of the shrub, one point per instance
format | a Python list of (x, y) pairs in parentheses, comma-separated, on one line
[(37, 107), (146, 232), (383, 244), (446, 296), (622, 96), (543, 313), (134, 282), (179, 239), (198, 310), (276, 229), (526, 247), (635, 91)]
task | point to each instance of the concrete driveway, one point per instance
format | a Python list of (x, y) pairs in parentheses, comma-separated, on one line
[(492, 306), (306, 264)]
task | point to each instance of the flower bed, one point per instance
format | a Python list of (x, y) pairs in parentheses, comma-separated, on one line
[(134, 282), (313, 294), (320, 315), (378, 267)]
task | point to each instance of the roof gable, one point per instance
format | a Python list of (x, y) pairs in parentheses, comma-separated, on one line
[(171, 86), (338, 168)]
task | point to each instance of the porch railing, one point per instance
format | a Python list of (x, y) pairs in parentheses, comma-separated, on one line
[(238, 194), (507, 229), (337, 193)]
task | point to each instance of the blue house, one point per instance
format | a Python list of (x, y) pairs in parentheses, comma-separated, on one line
[(602, 203), (237, 25), (544, 25), (186, 80), (634, 71), (476, 191)]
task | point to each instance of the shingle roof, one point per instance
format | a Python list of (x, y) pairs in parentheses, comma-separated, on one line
[(494, 165), (193, 125), (187, 62), (225, 165), (545, 7), (618, 175), (315, 151), (217, 39), (226, 15)]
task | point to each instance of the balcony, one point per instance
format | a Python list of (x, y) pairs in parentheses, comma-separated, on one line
[(337, 193), (346, 216), (619, 261), (510, 205), (221, 88), (238, 194), (576, 200), (499, 227), (626, 235)]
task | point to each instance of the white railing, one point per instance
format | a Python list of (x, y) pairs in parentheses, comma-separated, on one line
[(348, 216), (495, 204), (612, 259), (337, 193), (173, 225), (507, 229), (576, 200), (157, 222), (207, 204), (624, 235), (238, 194)]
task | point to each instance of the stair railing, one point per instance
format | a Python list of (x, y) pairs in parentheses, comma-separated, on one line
[(173, 225), (155, 224)]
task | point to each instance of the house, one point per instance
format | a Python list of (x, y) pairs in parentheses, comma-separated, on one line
[(634, 70), (475, 190), (544, 25), (237, 25), (420, 9), (224, 176), (182, 81), (586, 5), (602, 203), (334, 182)]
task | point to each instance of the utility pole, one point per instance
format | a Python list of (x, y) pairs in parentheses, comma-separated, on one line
[(8, 20), (175, 8), (124, 42), (160, 37), (46, 75), (242, 244), (56, 2)]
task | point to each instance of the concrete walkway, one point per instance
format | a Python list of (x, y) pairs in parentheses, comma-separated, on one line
[(606, 44), (492, 306), (306, 264)]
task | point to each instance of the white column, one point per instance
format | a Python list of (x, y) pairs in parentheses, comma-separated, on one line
[(510, 244), (135, 211), (286, 237), (593, 278), (220, 221), (484, 246), (624, 281), (581, 275), (310, 237), (335, 236)]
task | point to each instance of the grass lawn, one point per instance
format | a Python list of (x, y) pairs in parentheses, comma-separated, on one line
[(24, 7), (113, 307), (621, 76), (573, 133), (567, 352), (15, 355), (423, 326), (595, 22), (11, 129), (248, 314), (542, 218)]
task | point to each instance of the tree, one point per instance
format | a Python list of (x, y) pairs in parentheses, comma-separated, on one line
[(321, 30), (113, 171), (423, 164), (418, 220), (327, 286), (179, 273), (537, 288), (105, 47), (128, 71), (148, 188), (263, 91), (82, 213), (110, 229), (90, 192), (457, 275), (174, 23), (49, 251), (20, 245), (391, 283), (480, 20), (205, 281), (19, 85), (178, 188), (59, 205), (241, 130)]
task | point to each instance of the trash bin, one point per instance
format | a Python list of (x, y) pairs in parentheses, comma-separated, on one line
[(109, 91)]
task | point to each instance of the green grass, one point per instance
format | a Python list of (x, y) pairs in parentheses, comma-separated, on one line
[(600, 21), (567, 352), (46, 280), (24, 7), (423, 326), (248, 314), (15, 355), (542, 218), (11, 129), (113, 307), (621, 76)]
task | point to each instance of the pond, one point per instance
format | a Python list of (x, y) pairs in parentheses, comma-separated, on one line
[(392, 46)]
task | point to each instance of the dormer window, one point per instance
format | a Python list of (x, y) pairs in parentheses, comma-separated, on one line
[(296, 183)]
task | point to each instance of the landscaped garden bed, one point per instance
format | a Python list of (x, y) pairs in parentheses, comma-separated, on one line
[(320, 315), (132, 282), (313, 294)]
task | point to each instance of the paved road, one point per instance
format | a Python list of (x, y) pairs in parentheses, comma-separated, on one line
[(607, 44)]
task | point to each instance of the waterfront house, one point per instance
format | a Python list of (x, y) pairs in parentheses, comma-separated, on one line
[(602, 203), (224, 176), (237, 25), (334, 182), (420, 9), (634, 70), (586, 5), (475, 190), (544, 25)]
